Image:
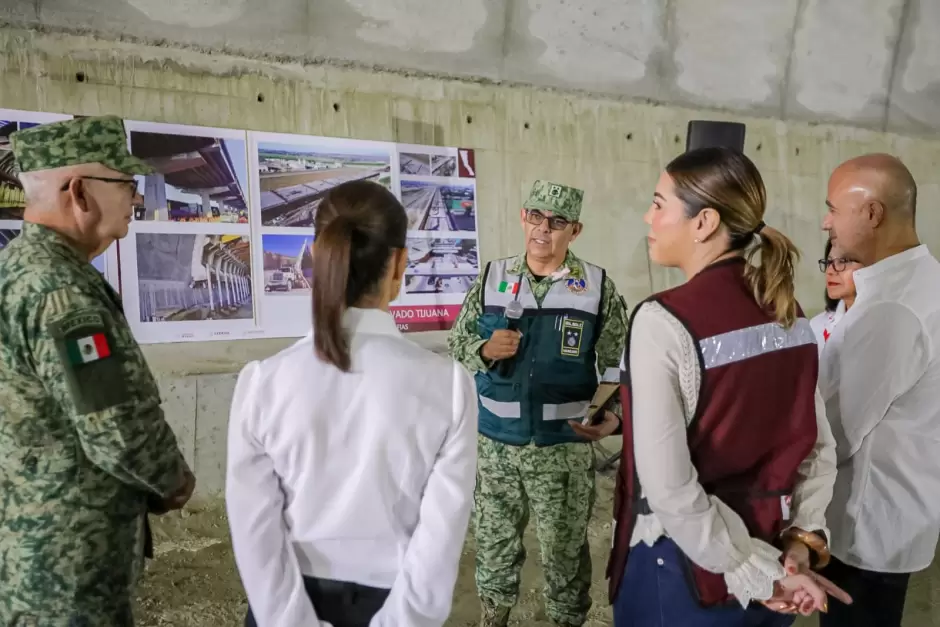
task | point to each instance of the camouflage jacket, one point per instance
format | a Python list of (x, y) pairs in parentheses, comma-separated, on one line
[(82, 438), (465, 341)]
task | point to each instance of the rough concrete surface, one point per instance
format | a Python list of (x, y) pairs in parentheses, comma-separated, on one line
[(611, 148), (872, 63), (614, 150)]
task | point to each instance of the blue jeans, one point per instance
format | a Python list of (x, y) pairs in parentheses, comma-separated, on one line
[(655, 592)]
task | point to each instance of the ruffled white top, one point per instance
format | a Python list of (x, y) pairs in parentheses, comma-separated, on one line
[(666, 378)]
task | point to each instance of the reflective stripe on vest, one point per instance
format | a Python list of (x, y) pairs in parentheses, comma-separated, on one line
[(733, 346), (576, 294), (564, 411)]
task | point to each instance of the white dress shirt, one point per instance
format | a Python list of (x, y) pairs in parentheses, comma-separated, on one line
[(665, 379), (824, 324), (365, 477), (880, 376)]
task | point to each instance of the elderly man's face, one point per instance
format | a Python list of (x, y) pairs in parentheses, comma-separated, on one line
[(104, 206)]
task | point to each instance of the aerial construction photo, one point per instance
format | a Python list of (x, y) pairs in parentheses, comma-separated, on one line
[(434, 207), (295, 177)]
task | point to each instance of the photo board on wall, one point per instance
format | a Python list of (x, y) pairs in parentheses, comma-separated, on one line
[(222, 245)]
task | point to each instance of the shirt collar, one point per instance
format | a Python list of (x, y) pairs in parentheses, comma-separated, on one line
[(866, 277), (39, 232), (371, 321), (570, 268)]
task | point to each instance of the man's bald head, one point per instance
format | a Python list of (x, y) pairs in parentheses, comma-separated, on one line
[(885, 178), (872, 201)]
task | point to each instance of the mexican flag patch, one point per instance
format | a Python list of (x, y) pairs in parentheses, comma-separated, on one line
[(512, 288), (84, 350)]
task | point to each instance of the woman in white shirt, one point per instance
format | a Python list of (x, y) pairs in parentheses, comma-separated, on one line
[(352, 453), (728, 462), (840, 293)]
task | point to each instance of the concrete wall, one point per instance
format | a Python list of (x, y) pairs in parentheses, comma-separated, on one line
[(612, 149)]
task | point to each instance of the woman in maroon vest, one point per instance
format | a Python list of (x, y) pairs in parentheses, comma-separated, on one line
[(728, 461)]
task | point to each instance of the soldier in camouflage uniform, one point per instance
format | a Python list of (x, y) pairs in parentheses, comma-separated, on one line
[(535, 381), (83, 440)]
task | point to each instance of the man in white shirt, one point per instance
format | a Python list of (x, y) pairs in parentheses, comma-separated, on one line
[(880, 375)]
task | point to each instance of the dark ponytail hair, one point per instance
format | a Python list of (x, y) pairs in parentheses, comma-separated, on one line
[(831, 303), (359, 225)]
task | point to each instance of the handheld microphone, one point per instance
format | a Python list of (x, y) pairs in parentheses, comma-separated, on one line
[(513, 313)]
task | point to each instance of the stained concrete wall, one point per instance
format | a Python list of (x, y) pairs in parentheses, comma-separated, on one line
[(612, 149)]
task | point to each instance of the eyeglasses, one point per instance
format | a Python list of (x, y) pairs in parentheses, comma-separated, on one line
[(838, 264), (130, 183), (537, 217)]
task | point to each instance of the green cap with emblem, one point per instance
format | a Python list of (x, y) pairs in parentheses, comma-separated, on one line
[(76, 142), (562, 200)]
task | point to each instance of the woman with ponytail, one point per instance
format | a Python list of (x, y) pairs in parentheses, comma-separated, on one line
[(728, 461), (352, 453)]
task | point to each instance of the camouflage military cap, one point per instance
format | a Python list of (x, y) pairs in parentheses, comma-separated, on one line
[(561, 200), (76, 142)]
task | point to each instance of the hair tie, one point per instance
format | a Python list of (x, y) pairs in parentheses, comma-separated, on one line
[(760, 227)]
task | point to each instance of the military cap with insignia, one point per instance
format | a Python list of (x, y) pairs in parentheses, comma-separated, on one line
[(76, 142), (562, 200)]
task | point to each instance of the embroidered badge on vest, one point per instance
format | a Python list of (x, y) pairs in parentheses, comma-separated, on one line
[(825, 335), (571, 337), (576, 286)]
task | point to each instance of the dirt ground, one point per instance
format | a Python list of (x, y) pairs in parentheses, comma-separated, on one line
[(193, 581)]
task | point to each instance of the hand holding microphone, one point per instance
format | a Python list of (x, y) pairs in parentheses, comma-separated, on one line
[(504, 343)]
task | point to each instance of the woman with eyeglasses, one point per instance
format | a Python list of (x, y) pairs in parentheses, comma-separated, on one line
[(840, 293), (352, 453)]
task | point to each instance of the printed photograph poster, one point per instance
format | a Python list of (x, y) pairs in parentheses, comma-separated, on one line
[(194, 282), (201, 173), (294, 172), (438, 191), (440, 206), (439, 273), (285, 259), (287, 263)]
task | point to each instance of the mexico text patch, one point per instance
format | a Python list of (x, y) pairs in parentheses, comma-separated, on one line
[(571, 332), (89, 361)]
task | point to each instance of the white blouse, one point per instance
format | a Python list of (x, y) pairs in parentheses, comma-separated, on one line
[(365, 476), (825, 323), (666, 378)]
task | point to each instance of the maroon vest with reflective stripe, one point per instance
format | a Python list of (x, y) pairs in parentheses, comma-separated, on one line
[(755, 420)]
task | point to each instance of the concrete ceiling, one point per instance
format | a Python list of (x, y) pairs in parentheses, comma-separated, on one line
[(869, 63)]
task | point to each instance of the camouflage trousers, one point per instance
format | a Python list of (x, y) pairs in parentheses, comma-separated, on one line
[(557, 484)]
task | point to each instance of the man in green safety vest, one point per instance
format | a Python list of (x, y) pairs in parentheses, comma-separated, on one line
[(540, 331)]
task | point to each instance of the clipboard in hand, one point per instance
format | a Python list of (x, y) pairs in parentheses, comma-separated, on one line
[(602, 400)]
